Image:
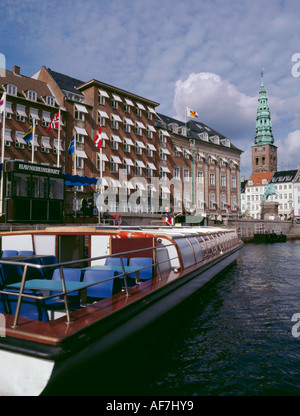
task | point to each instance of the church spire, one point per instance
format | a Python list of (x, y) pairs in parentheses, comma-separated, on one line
[(264, 133)]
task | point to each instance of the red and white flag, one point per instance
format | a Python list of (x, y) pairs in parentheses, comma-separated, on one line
[(2, 104), (54, 123), (98, 138)]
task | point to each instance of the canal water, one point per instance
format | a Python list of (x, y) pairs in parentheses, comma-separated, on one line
[(234, 337)]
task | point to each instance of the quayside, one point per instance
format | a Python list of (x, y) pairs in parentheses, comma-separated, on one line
[(69, 294)]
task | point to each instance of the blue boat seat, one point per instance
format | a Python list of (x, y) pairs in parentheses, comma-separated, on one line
[(70, 274), (25, 253), (145, 274), (101, 290), (3, 308), (57, 303), (30, 308), (9, 253), (46, 261), (116, 261), (10, 273), (32, 272)]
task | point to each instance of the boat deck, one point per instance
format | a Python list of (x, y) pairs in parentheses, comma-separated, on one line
[(190, 254)]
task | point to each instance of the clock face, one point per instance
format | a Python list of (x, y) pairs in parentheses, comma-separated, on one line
[(259, 148)]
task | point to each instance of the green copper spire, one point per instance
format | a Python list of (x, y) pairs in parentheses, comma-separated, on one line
[(264, 133)]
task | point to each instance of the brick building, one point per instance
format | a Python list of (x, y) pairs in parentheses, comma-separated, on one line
[(150, 162)]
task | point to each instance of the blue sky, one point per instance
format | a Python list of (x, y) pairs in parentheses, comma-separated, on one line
[(206, 55)]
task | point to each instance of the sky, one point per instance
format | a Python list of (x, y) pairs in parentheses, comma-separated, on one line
[(206, 55)]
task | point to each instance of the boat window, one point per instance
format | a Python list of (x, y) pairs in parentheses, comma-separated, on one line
[(208, 245), (202, 246), (220, 242), (186, 252), (213, 244), (197, 250)]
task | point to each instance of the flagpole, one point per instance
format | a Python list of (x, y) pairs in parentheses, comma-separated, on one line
[(2, 152), (101, 175), (58, 151), (75, 173), (32, 142)]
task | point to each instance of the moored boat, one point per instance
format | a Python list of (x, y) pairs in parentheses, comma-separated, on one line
[(69, 294)]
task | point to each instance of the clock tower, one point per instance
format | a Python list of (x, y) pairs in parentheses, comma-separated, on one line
[(264, 153)]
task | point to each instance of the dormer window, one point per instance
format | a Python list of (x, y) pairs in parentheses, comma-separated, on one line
[(50, 100), (11, 89), (31, 95)]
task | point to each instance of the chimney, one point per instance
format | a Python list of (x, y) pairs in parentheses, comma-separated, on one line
[(16, 70)]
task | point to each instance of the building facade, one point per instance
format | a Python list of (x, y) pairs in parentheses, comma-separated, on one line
[(265, 171), (149, 162)]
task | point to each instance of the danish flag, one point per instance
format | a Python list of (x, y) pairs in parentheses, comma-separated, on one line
[(54, 123), (98, 139)]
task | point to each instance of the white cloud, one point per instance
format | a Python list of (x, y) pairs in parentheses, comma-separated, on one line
[(289, 150), (219, 104)]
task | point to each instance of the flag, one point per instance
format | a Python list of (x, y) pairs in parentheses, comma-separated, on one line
[(28, 135), (2, 104), (98, 139), (71, 148), (191, 113), (54, 123)]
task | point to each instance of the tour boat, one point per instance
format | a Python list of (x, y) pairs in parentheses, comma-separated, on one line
[(69, 294)]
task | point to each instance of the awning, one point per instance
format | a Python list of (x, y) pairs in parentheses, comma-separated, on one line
[(81, 108), (140, 164), (165, 169), (128, 161), (19, 137), (151, 128), (164, 132), (103, 114), (81, 153), (116, 97), (116, 159), (7, 135), (140, 186), (165, 151), (115, 183), (129, 102), (140, 106), (104, 157), (21, 110), (116, 138), (46, 116), (103, 93), (140, 125), (151, 166), (104, 136), (128, 141), (46, 143), (77, 180), (128, 185), (178, 149), (151, 147), (165, 190), (151, 110), (34, 112), (80, 130), (8, 108), (140, 144), (128, 121), (56, 145), (116, 117)]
